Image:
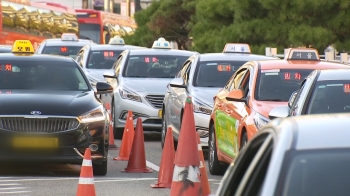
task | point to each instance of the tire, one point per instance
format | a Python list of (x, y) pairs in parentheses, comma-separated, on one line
[(100, 169), (117, 132), (244, 140), (215, 167)]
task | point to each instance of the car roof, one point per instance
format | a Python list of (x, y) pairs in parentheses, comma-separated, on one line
[(113, 47), (299, 64), (5, 49), (307, 132), (35, 57), (150, 51), (234, 56), (60, 40), (334, 74), (67, 43)]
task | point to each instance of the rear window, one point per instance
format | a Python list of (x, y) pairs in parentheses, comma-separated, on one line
[(215, 73), (62, 50), (103, 59), (279, 84), (330, 97)]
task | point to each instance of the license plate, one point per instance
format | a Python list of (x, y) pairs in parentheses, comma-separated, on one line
[(160, 114), (26, 142)]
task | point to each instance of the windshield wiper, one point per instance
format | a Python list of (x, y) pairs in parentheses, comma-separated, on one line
[(136, 76), (166, 77), (271, 100)]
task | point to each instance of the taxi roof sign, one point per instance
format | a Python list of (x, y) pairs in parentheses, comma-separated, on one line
[(237, 48), (69, 37), (161, 43), (22, 46), (116, 40), (309, 54)]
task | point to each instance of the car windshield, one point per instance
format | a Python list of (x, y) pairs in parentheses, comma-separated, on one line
[(62, 50), (103, 59), (41, 75), (215, 73), (154, 66), (315, 172), (279, 84), (330, 97)]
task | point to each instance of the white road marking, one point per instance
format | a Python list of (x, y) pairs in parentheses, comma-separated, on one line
[(127, 180), (12, 188), (152, 166), (15, 192)]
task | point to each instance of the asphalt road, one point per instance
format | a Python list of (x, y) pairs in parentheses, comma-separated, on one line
[(57, 179)]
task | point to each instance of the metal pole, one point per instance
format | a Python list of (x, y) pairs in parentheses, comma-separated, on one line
[(128, 5)]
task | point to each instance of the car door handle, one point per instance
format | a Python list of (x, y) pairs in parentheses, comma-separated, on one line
[(228, 111)]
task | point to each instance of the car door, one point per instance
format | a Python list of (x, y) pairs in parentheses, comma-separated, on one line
[(246, 174), (178, 96), (224, 123)]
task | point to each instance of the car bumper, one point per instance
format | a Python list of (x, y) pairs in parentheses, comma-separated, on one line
[(148, 114), (202, 123), (70, 148)]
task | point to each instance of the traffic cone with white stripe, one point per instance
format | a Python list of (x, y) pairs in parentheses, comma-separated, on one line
[(203, 170), (186, 176), (166, 169), (86, 186), (127, 140), (111, 128)]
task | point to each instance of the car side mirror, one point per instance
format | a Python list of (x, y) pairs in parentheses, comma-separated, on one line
[(236, 95), (279, 112), (109, 74), (177, 83), (292, 98), (103, 88)]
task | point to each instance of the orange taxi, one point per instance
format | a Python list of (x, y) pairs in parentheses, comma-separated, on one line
[(243, 105)]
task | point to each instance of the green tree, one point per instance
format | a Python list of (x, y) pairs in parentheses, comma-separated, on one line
[(164, 18)]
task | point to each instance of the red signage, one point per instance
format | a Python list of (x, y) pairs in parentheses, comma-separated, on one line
[(347, 88), (287, 76), (108, 54), (64, 49), (224, 68)]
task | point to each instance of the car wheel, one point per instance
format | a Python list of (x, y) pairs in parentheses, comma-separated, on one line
[(244, 140), (215, 167), (118, 132), (164, 130), (100, 169)]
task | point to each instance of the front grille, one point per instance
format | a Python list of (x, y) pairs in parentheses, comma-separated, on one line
[(39, 125), (155, 100)]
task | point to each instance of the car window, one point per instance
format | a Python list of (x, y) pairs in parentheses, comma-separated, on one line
[(153, 66), (315, 172), (330, 97), (215, 73), (237, 79), (41, 75), (235, 176), (183, 70), (278, 85), (71, 51), (102, 59), (244, 85)]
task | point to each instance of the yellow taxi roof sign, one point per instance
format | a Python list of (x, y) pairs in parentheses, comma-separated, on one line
[(237, 48), (22, 46), (309, 54)]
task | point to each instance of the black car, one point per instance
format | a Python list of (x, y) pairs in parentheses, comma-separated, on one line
[(49, 111)]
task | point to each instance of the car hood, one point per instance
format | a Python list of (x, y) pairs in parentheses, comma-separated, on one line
[(149, 85), (97, 74), (62, 103), (264, 107), (205, 94)]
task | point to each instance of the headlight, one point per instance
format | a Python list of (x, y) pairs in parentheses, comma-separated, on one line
[(93, 116), (260, 120), (127, 94), (200, 107)]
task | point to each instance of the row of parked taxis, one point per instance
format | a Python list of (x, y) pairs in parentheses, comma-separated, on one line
[(235, 93)]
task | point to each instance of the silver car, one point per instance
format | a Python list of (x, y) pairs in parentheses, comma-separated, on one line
[(304, 155), (201, 77), (140, 81), (95, 60)]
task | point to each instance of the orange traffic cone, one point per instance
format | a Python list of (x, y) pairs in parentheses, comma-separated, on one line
[(127, 140), (137, 161), (86, 186), (111, 128), (166, 170), (186, 176), (203, 170)]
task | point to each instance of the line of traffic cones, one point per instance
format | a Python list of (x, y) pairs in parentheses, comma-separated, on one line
[(127, 140), (111, 128)]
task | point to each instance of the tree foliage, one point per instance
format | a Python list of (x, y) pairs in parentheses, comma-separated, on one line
[(260, 23)]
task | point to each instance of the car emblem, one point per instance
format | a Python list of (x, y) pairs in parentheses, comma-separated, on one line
[(35, 112)]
